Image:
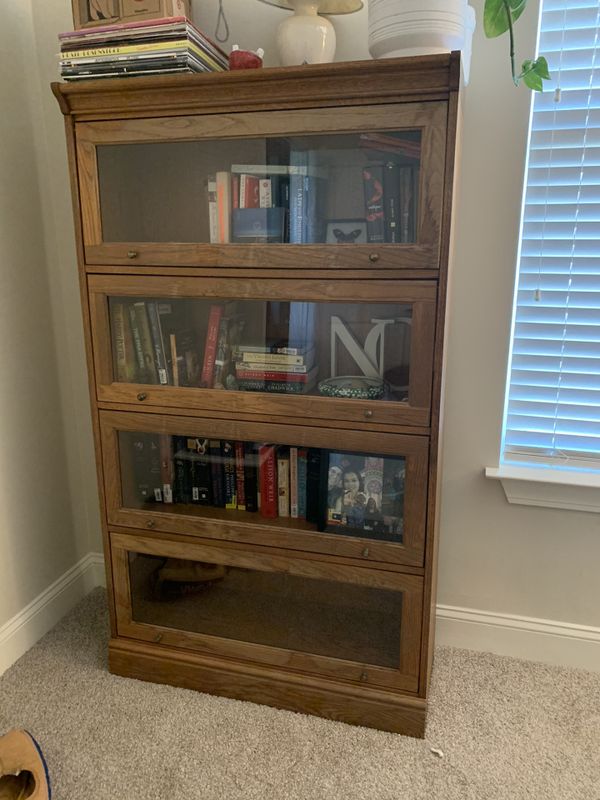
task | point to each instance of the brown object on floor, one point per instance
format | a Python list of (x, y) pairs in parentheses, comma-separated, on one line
[(23, 771), (178, 576)]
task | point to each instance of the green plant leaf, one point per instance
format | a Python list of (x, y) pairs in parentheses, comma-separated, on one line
[(533, 81), (534, 73), (495, 16), (541, 68)]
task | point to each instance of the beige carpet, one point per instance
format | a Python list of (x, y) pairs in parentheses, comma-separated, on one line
[(508, 729)]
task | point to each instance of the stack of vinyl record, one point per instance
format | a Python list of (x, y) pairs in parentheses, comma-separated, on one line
[(145, 47)]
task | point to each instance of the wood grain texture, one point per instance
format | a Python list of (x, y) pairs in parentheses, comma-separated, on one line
[(416, 93), (261, 559), (355, 704), (328, 85), (247, 527)]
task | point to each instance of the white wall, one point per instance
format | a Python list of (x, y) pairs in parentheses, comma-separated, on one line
[(509, 560), (47, 524), (36, 532)]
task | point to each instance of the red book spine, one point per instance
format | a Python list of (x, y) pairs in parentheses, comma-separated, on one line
[(235, 191), (262, 375), (267, 476), (210, 348), (239, 476)]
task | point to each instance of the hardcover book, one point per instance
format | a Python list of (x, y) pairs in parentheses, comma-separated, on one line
[(267, 469)]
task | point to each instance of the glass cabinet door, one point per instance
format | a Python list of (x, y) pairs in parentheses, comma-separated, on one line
[(195, 343), (302, 488), (367, 181), (350, 623)]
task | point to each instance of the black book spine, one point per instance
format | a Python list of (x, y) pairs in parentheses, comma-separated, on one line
[(201, 477), (251, 476), (391, 202), (313, 486), (216, 473), (183, 485)]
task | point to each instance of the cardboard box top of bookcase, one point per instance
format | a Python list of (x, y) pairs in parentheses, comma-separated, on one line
[(91, 13), (416, 78)]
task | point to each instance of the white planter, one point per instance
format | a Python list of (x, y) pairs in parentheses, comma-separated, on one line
[(419, 27)]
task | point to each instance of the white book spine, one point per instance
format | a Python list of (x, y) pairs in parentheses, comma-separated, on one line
[(265, 199)]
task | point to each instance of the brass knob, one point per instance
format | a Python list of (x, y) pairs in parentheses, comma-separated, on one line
[(142, 396), (132, 254), (364, 677), (368, 414), (373, 257), (158, 637), (150, 523), (365, 552)]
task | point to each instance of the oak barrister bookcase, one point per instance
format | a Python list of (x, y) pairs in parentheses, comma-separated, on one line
[(263, 262)]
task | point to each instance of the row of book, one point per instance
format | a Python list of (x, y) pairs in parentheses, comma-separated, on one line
[(336, 491), (154, 344), (143, 47), (273, 480), (261, 203), (268, 203)]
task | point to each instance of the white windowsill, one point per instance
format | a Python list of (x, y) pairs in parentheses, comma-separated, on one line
[(550, 488)]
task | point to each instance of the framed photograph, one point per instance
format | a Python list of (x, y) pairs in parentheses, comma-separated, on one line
[(346, 231), (364, 495)]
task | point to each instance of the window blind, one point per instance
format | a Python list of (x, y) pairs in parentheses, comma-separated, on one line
[(552, 411)]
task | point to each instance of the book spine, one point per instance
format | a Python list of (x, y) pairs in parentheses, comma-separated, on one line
[(166, 467), (273, 358), (118, 323), (221, 353), (235, 191), (313, 484), (283, 486), (182, 492), (406, 180), (296, 209), (213, 219), (294, 483), (137, 345), (239, 476), (265, 193), (210, 346), (302, 456), (156, 334), (251, 476), (201, 476), (141, 315), (267, 481), (174, 358), (280, 371), (373, 189), (228, 456), (223, 181), (216, 473), (277, 387), (391, 203)]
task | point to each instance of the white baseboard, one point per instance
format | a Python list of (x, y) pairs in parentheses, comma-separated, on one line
[(559, 643), (36, 619)]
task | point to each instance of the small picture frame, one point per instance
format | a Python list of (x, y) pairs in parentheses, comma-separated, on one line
[(346, 231), (364, 495)]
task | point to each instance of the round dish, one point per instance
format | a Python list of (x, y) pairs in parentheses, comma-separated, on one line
[(358, 387)]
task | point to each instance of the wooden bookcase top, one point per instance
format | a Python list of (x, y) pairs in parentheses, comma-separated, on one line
[(366, 82)]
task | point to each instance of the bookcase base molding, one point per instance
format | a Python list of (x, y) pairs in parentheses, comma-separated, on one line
[(386, 711)]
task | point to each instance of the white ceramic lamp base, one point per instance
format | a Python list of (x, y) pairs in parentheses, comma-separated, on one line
[(305, 37)]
